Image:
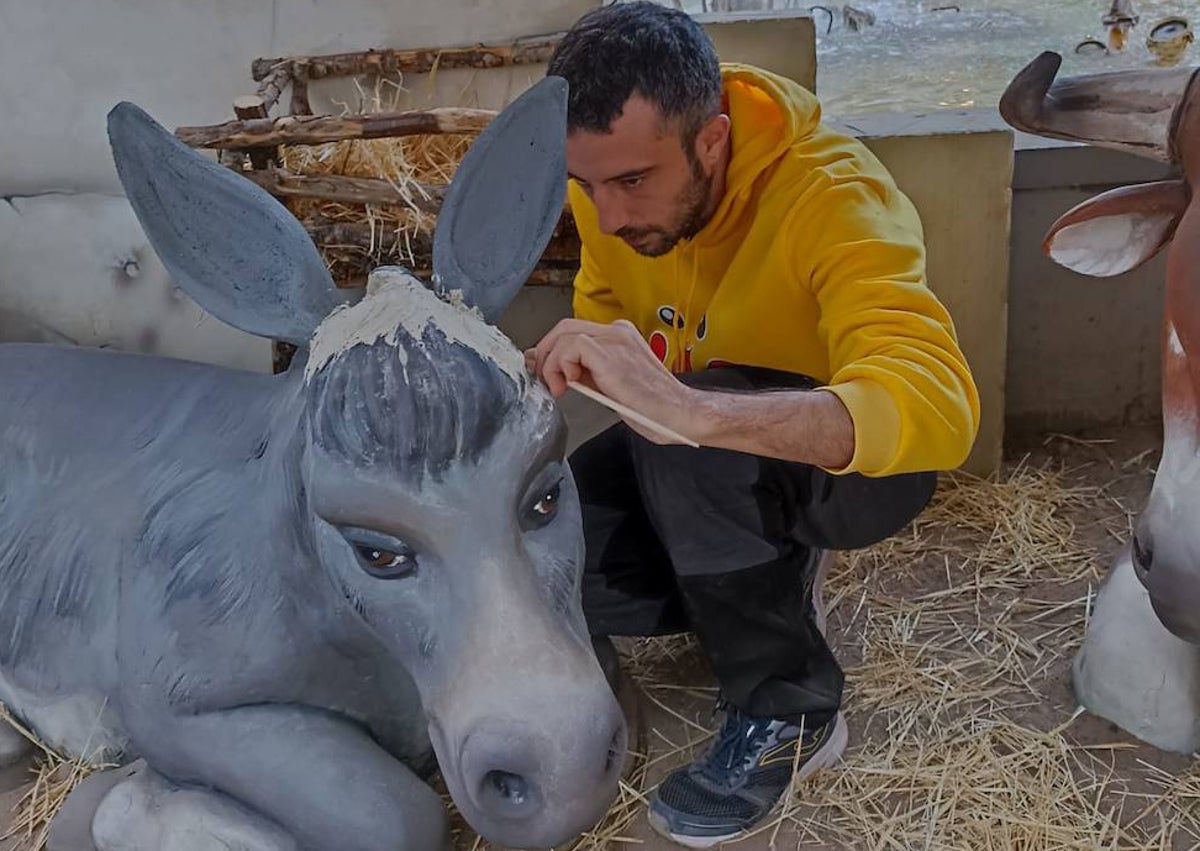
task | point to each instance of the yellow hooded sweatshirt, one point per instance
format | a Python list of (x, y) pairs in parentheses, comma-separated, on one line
[(813, 263)]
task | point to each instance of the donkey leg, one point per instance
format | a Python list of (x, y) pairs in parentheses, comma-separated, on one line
[(1133, 672), (322, 779), (146, 812)]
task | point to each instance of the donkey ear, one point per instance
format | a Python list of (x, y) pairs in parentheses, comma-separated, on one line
[(227, 243), (505, 200), (1118, 230)]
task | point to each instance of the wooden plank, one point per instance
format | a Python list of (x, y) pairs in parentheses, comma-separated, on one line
[(365, 237), (348, 190), (318, 129), (254, 106), (419, 60), (542, 276), (960, 185), (271, 87), (367, 190)]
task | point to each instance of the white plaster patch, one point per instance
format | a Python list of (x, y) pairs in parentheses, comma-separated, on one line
[(396, 300), (1109, 245), (1173, 345)]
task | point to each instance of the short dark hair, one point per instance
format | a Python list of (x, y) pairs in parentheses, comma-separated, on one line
[(616, 51)]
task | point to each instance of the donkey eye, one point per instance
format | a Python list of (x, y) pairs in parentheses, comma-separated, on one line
[(385, 564), (546, 506)]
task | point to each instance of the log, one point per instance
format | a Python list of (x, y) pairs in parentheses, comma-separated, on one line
[(300, 92), (349, 190), (366, 190), (552, 276), (248, 107), (419, 60), (318, 129), (541, 276), (273, 85), (364, 237)]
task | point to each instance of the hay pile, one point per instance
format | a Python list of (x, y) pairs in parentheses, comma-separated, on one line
[(958, 637), (399, 233), (53, 777)]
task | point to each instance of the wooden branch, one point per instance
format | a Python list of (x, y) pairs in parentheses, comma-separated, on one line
[(369, 190), (419, 60), (317, 129), (300, 92), (541, 276), (273, 85), (365, 237), (552, 276), (349, 190), (248, 107)]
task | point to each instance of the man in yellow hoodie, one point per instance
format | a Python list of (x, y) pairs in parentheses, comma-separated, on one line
[(756, 282)]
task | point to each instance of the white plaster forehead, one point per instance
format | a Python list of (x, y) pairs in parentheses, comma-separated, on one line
[(396, 300)]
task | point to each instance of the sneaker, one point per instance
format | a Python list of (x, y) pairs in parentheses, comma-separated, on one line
[(741, 778)]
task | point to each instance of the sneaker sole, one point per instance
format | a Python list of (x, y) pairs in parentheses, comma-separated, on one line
[(829, 753)]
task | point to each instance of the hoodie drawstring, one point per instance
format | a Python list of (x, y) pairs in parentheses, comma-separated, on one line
[(685, 310)]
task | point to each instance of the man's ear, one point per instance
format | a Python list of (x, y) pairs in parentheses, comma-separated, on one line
[(712, 140)]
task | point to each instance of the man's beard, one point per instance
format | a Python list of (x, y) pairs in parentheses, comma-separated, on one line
[(655, 242)]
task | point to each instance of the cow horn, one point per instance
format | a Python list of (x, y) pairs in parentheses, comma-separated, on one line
[(1125, 110)]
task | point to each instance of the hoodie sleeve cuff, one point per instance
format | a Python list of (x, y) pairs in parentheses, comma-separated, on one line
[(875, 446)]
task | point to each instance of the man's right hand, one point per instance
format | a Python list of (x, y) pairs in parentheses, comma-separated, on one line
[(615, 360)]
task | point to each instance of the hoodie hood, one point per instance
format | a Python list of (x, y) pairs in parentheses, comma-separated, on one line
[(768, 114)]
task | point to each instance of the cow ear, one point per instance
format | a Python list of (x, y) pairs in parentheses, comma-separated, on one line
[(1119, 230)]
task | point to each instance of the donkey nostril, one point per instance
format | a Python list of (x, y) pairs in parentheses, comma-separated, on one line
[(512, 787)]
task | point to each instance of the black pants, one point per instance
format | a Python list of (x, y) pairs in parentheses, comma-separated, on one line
[(724, 544)]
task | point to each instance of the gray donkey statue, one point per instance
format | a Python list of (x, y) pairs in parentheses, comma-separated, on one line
[(290, 597)]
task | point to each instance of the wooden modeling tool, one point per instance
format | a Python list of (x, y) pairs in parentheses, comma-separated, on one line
[(631, 414)]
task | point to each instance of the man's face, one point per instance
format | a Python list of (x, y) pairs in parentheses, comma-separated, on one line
[(646, 188)]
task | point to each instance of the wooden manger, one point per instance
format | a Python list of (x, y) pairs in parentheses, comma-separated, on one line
[(367, 186)]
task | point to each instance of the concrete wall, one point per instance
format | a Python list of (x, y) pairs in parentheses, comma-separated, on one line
[(959, 183), (1083, 352), (67, 234), (1080, 352), (783, 42), (64, 64)]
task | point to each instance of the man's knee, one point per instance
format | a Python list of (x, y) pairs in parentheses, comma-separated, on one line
[(687, 473), (851, 511)]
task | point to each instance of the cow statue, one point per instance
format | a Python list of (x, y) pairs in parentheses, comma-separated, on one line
[(290, 597), (1139, 666)]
